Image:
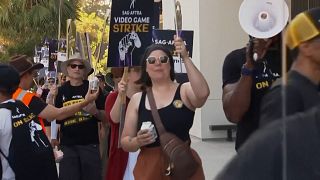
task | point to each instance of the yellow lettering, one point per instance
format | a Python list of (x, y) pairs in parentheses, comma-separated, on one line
[(68, 103), (131, 27), (115, 28), (145, 27), (265, 84), (17, 123), (261, 85), (72, 121), (29, 118), (127, 28)]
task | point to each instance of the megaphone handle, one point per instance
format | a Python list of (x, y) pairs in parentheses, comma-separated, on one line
[(252, 54)]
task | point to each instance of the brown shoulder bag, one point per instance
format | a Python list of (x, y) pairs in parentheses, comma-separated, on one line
[(182, 164)]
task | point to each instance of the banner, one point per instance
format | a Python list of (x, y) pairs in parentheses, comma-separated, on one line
[(165, 37), (53, 49), (130, 31), (62, 52)]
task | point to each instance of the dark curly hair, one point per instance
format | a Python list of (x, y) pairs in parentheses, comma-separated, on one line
[(145, 80)]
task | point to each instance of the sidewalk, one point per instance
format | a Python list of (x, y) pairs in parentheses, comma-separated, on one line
[(214, 154)]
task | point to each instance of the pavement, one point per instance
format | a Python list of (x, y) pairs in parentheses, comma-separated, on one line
[(215, 154)]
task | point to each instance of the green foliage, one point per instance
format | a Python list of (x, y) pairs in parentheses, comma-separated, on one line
[(99, 32), (23, 23)]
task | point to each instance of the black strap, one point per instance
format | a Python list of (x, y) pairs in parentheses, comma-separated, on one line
[(155, 113), (7, 106), (4, 156)]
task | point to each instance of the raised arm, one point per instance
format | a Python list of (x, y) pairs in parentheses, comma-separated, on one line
[(115, 111), (196, 91), (236, 97)]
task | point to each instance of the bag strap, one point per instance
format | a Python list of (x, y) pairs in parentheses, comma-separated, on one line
[(4, 156), (155, 113), (9, 107)]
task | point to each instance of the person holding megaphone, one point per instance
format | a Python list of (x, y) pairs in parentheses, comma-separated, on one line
[(293, 152), (249, 72), (246, 78)]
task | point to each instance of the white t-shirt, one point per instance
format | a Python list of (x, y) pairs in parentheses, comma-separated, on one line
[(5, 139), (132, 160)]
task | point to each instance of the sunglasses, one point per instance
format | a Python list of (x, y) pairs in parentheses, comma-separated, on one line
[(51, 81), (80, 66), (163, 59)]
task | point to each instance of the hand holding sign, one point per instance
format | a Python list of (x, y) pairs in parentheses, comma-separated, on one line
[(180, 47)]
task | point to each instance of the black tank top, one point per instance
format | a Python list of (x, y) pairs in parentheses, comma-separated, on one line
[(176, 117)]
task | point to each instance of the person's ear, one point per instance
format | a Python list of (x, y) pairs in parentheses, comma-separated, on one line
[(304, 49)]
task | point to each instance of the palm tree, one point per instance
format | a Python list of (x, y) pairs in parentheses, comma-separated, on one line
[(23, 23)]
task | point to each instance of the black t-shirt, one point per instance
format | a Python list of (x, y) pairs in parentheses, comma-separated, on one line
[(37, 105), (82, 128), (28, 145), (301, 94), (261, 156), (265, 73), (43, 96)]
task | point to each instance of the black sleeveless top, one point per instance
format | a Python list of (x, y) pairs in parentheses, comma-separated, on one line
[(176, 117)]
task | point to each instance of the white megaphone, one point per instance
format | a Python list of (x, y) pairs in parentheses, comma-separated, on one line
[(263, 18)]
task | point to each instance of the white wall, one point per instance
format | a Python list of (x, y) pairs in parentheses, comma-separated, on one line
[(216, 32)]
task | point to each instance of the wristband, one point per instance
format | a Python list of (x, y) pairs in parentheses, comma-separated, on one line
[(245, 71)]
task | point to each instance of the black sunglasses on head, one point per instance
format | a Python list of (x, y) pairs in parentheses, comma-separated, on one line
[(80, 66), (163, 59)]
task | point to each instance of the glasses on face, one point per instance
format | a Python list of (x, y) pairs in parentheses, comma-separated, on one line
[(162, 59), (51, 81), (73, 66)]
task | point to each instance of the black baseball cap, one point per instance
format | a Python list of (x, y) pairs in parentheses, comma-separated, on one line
[(9, 79)]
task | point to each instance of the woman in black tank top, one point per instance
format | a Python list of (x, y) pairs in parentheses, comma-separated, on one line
[(175, 102)]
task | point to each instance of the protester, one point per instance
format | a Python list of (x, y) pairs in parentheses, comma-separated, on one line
[(79, 132), (102, 84), (292, 141), (24, 149), (301, 90), (176, 104), (63, 79), (261, 157), (27, 71), (118, 158), (246, 81), (45, 91)]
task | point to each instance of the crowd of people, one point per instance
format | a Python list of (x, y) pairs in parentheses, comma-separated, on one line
[(99, 130)]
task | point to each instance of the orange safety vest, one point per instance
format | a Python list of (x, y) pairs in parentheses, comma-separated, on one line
[(25, 97)]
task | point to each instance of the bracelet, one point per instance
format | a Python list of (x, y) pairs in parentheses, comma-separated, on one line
[(246, 72)]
